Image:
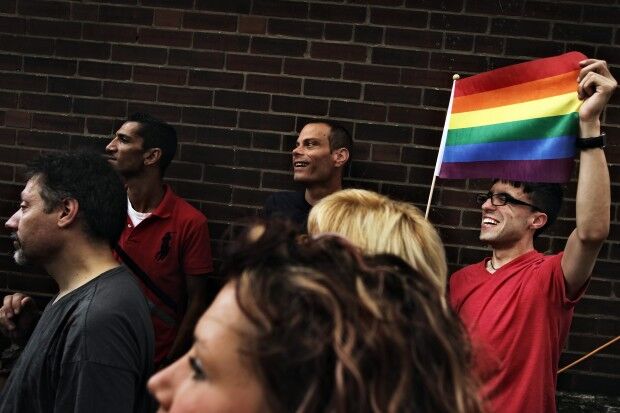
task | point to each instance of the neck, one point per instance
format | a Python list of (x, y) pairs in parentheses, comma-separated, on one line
[(80, 262), (314, 193), (145, 192), (503, 255)]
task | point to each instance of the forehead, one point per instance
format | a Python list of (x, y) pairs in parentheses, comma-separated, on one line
[(507, 188), (319, 131), (131, 129), (31, 190)]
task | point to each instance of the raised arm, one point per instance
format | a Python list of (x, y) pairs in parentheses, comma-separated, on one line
[(596, 85)]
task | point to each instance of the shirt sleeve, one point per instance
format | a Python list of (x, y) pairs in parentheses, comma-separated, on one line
[(197, 259)]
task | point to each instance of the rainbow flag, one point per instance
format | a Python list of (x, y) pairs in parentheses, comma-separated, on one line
[(518, 122)]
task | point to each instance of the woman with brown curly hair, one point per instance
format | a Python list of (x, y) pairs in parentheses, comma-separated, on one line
[(315, 326)]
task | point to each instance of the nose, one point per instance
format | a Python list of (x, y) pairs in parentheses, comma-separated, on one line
[(297, 150), (111, 147), (13, 222), (488, 205), (164, 384)]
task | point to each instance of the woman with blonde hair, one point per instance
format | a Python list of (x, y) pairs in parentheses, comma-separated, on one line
[(378, 224)]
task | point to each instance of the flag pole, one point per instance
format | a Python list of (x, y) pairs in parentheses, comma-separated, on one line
[(442, 145)]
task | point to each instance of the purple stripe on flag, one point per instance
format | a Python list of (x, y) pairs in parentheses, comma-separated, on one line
[(546, 170)]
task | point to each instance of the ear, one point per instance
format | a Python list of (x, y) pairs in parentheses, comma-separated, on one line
[(152, 156), (539, 220), (340, 156), (67, 212)]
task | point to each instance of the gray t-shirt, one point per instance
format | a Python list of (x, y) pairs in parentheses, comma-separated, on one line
[(91, 351)]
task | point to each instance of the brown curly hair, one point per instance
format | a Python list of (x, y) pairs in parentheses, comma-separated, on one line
[(337, 331)]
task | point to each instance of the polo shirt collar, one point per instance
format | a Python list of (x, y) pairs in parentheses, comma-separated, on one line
[(166, 206)]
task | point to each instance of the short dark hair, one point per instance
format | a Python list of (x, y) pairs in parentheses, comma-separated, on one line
[(156, 134), (88, 178), (339, 137), (334, 330), (547, 197)]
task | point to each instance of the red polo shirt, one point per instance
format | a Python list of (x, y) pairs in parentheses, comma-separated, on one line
[(168, 245)]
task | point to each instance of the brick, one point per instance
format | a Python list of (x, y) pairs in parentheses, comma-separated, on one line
[(338, 51), (139, 54), (50, 66), (403, 193), (167, 18), (58, 123), (280, 181), (375, 170), (84, 12), (286, 104), (383, 133), (241, 100), (266, 140), (337, 13), (100, 107), (459, 41), (169, 113), (264, 160), (14, 81), (252, 25), (223, 175), (46, 103), (458, 62), (273, 84), (352, 110), (414, 38), (54, 28), (249, 63), (99, 126), (399, 57), (159, 75), (454, 22), (583, 33), (262, 121), (215, 117), (17, 119), (488, 44), (7, 6), (610, 54), (552, 11), (226, 213), (226, 137), (507, 8), (12, 63), (26, 45), (289, 9), (444, 5), (278, 46), (161, 37), (166, 3), (111, 33), (102, 70), (368, 34), (417, 116), (184, 171), (187, 96), (13, 25), (8, 100), (208, 155), (535, 48), (54, 9), (341, 32), (84, 50), (312, 68), (328, 88), (238, 6), (43, 140), (419, 156), (209, 21), (459, 236), (398, 17), (253, 197), (219, 41), (196, 59), (370, 73), (195, 190), (208, 78), (74, 86), (385, 153), (601, 14), (529, 28), (436, 98), (142, 16), (129, 91), (296, 28), (392, 94)]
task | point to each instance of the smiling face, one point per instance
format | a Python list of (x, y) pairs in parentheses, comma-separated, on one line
[(313, 160), (508, 224), (125, 152), (214, 377), (32, 227)]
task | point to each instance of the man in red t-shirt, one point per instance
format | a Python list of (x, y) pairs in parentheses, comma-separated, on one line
[(166, 240), (517, 305)]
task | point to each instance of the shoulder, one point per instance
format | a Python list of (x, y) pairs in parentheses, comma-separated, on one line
[(285, 199), (180, 209)]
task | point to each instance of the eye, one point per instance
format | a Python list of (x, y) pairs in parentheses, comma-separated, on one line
[(196, 366), (503, 197)]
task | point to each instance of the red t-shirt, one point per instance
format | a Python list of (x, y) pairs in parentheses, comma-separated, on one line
[(168, 245), (517, 319)]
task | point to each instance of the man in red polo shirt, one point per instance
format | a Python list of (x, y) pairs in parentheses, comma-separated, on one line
[(166, 240)]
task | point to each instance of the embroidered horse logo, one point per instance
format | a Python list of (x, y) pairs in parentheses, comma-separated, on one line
[(165, 247)]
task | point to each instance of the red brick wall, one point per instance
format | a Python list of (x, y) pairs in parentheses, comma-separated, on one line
[(238, 78)]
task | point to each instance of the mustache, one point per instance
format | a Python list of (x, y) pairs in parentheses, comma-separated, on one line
[(14, 237)]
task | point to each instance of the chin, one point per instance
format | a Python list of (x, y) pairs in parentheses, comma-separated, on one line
[(19, 257)]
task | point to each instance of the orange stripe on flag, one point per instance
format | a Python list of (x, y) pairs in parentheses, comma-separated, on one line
[(523, 92)]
